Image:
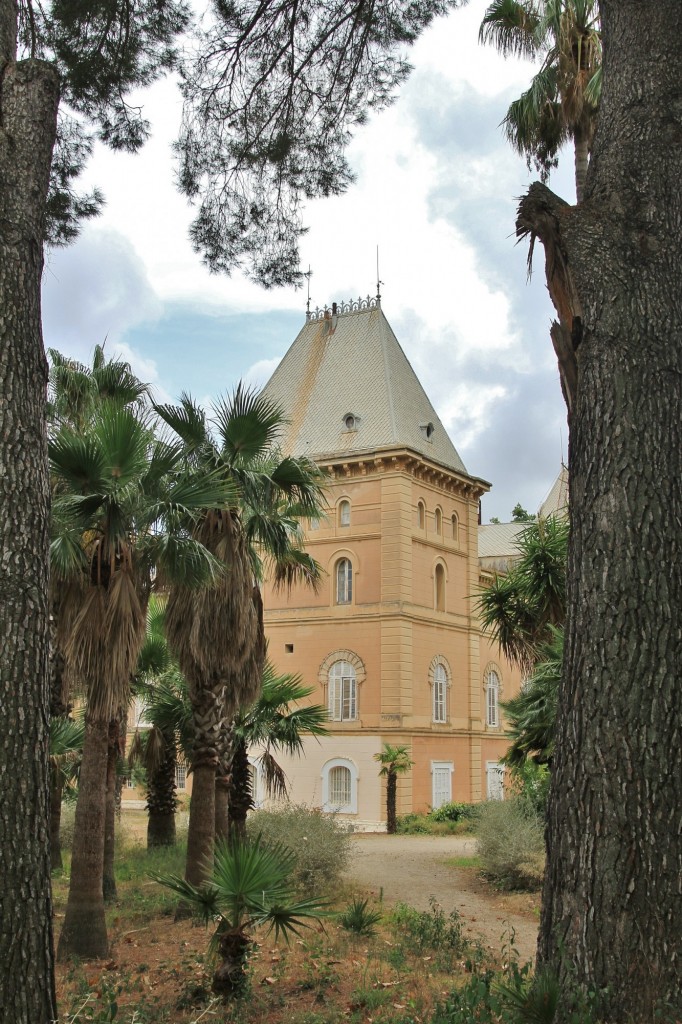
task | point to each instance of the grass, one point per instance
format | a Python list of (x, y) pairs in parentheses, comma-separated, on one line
[(473, 861)]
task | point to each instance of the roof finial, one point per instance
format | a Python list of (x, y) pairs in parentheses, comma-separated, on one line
[(379, 283), (308, 274)]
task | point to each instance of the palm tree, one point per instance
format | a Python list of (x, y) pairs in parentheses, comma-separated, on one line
[(272, 724), (532, 713), (518, 609), (249, 887), (394, 761), (66, 749), (219, 639), (75, 390), (562, 102), (122, 502)]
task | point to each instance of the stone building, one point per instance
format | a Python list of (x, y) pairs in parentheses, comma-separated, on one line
[(391, 641)]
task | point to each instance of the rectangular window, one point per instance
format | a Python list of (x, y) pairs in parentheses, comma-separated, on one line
[(492, 705), (441, 775), (181, 776), (495, 780)]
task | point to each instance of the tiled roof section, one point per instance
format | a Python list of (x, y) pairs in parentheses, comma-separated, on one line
[(347, 386), (499, 540), (556, 501)]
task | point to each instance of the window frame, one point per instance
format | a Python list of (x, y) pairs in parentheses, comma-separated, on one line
[(492, 698), (344, 512), (439, 573), (342, 692), (439, 696), (352, 806), (343, 588)]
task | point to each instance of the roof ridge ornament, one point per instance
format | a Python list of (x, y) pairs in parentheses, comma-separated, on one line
[(358, 305)]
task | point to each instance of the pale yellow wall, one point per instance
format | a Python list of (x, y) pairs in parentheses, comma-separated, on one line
[(393, 627)]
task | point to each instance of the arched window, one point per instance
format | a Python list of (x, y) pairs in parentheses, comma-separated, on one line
[(340, 786), (421, 515), (492, 698), (440, 694), (344, 513), (342, 692), (438, 522), (455, 527), (440, 588), (344, 581)]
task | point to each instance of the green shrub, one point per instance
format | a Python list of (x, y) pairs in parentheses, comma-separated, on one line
[(429, 930), (455, 812), (320, 843), (413, 825), (511, 844)]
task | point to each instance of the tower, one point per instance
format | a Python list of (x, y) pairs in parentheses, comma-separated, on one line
[(391, 640)]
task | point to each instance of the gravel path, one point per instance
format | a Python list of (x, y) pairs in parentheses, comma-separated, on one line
[(413, 869)]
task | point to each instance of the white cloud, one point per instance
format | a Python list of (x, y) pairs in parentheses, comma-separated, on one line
[(260, 373)]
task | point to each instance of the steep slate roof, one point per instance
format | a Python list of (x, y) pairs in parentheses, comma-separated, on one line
[(556, 501), (351, 363)]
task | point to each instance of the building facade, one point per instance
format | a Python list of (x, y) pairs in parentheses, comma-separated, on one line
[(391, 641)]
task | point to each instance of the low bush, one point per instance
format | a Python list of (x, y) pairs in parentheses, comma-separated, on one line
[(511, 844), (423, 931), (320, 843), (450, 819), (455, 812), (358, 917)]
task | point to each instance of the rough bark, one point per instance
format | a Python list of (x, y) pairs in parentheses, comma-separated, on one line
[(84, 933), (113, 753), (201, 830), (161, 797), (29, 94), (581, 146), (612, 908), (240, 796), (222, 809), (56, 787)]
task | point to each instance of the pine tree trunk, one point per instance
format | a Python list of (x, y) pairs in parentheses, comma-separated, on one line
[(29, 94), (391, 789), (84, 933), (612, 912), (55, 819), (108, 876), (161, 797)]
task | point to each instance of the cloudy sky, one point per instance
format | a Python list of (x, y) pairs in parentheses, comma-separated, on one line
[(436, 191)]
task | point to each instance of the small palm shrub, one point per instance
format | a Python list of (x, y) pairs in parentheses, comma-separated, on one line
[(319, 843), (424, 930), (250, 886), (359, 918), (511, 843)]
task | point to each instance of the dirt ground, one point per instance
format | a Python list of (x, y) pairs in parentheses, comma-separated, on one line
[(413, 869)]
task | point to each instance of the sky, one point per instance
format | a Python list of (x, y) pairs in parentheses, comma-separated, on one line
[(436, 190)]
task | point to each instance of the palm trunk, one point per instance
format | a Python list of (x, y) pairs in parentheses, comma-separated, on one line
[(84, 933), (222, 809), (581, 145), (161, 797), (55, 819), (391, 790), (229, 979), (201, 831), (29, 96), (240, 790), (611, 913), (108, 876)]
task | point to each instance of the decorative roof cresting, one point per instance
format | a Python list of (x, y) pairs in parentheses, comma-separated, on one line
[(343, 308)]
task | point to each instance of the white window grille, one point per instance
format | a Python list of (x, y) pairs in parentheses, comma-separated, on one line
[(344, 581), (344, 513), (339, 786), (140, 712), (440, 690), (181, 776), (343, 692), (492, 699), (441, 783), (494, 780)]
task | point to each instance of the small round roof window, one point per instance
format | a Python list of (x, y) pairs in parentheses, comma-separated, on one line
[(350, 421), (427, 430)]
